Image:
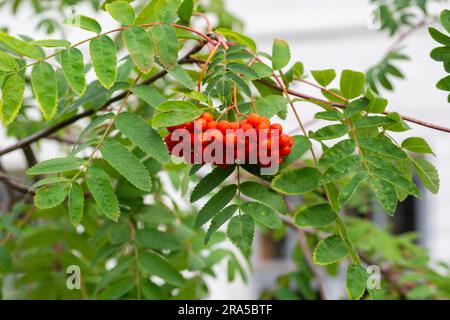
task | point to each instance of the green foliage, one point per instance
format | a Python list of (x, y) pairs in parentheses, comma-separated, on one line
[(43, 78), (330, 250), (140, 47), (103, 54)]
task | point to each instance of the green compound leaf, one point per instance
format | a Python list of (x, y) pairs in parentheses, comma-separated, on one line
[(385, 193), (142, 135), (50, 197), (355, 281), (13, 93), (264, 195), (72, 64), (382, 147), (56, 165), (330, 250), (315, 216), (330, 132), (100, 187), (84, 22), (210, 182), (43, 79), (262, 214), (127, 164), (339, 151), (340, 168), (21, 47), (121, 11), (349, 189), (240, 231), (140, 46), (298, 181), (156, 265), (280, 54), (219, 220), (103, 54), (215, 204), (352, 83), (76, 203), (166, 46)]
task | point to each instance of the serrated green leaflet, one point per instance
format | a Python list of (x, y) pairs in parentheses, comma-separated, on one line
[(349, 189), (142, 135), (315, 216), (56, 165), (7, 63), (352, 83), (155, 265), (238, 37), (355, 281), (100, 187), (20, 46), (104, 59), (385, 193), (215, 204), (72, 64), (427, 174), (50, 197), (330, 250), (121, 11), (51, 43), (339, 151), (240, 231), (383, 147), (262, 214), (264, 195), (298, 181), (374, 121), (159, 10), (76, 203), (127, 164), (172, 113), (84, 22), (417, 145), (165, 42), (11, 102), (140, 46), (331, 132), (43, 79), (219, 220), (210, 182), (340, 168), (182, 77), (301, 145), (155, 239), (270, 105), (324, 77), (398, 181)]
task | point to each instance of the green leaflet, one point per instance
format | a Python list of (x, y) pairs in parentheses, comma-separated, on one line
[(440, 54), (220, 218), (355, 281), (148, 94), (332, 131), (50, 197), (49, 180), (246, 71), (331, 115), (155, 239), (262, 214), (315, 216), (330, 250), (185, 11), (352, 83), (139, 45), (182, 77), (51, 43), (55, 165), (374, 121), (121, 11), (301, 145), (324, 77), (13, 92), (153, 215), (382, 147), (171, 113), (103, 54), (215, 204), (417, 145), (264, 195), (127, 164), (240, 231), (43, 79), (84, 22), (210, 182), (238, 37), (398, 180), (7, 63), (166, 46), (142, 135), (270, 105), (427, 174), (156, 265), (100, 187), (385, 193), (339, 151), (72, 64), (298, 181), (20, 46), (280, 54), (159, 11), (76, 203), (340, 168), (349, 189), (118, 289)]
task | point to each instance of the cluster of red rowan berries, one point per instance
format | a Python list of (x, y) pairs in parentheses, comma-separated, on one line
[(253, 138)]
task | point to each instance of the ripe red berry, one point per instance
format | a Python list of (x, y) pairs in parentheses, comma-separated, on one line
[(277, 126), (207, 116), (284, 140), (265, 120), (254, 119), (212, 124), (246, 127), (233, 125), (223, 126), (285, 151), (200, 124), (242, 123), (263, 126)]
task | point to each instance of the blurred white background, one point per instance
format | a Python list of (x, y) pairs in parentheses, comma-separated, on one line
[(322, 34)]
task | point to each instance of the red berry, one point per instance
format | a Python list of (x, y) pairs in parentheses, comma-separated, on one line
[(263, 126), (233, 125), (284, 140), (265, 120), (189, 126), (223, 126), (277, 126), (246, 127), (254, 119), (200, 124), (213, 135), (290, 142), (285, 151), (212, 124), (207, 116), (242, 123)]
